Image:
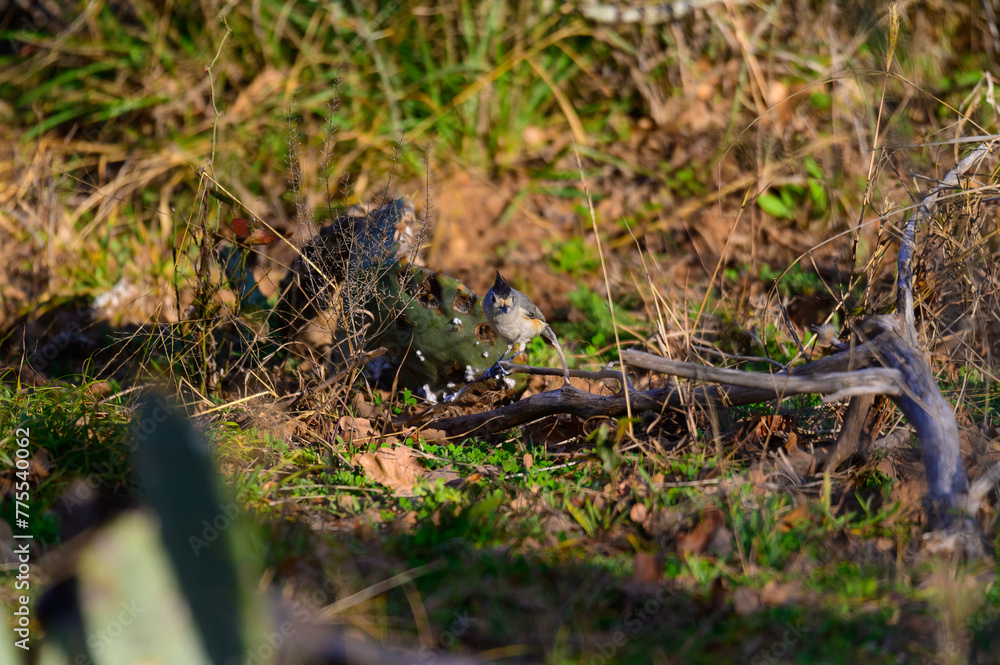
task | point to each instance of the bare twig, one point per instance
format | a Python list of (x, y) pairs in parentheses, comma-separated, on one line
[(607, 372), (870, 381)]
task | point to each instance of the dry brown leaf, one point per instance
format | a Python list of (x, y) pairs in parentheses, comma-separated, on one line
[(364, 408), (638, 513), (793, 442), (698, 539), (355, 429), (746, 601), (398, 469), (431, 434), (647, 568), (794, 517), (41, 466), (774, 594), (529, 461)]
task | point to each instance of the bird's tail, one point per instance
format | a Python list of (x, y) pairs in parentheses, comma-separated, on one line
[(550, 335)]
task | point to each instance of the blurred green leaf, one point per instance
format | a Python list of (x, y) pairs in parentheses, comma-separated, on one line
[(177, 479), (774, 206), (131, 601)]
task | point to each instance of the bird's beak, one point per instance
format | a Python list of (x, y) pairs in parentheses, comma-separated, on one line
[(504, 308)]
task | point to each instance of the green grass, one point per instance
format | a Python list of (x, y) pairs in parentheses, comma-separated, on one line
[(78, 448)]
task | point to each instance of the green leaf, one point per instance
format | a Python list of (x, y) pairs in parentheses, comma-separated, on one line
[(129, 589), (813, 168), (199, 527), (774, 206), (225, 198), (818, 195)]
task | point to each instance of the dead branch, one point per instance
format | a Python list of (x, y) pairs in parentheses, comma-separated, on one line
[(851, 431), (750, 389), (931, 416), (586, 405), (782, 384), (606, 372), (923, 405)]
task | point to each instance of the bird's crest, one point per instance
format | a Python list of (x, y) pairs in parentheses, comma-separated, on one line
[(501, 288)]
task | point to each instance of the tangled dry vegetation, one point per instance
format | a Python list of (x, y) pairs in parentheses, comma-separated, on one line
[(288, 217)]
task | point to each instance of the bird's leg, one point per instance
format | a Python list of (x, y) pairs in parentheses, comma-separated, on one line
[(498, 369), (504, 354)]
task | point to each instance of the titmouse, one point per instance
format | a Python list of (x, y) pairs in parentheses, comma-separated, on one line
[(517, 320)]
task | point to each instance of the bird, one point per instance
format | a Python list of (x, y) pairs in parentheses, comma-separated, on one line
[(517, 320)]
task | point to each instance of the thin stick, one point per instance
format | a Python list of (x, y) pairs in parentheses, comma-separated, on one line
[(607, 282)]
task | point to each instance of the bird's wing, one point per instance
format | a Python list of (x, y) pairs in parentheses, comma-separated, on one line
[(531, 311)]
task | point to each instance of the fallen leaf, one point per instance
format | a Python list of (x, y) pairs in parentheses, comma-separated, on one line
[(433, 435), (647, 568), (398, 469), (528, 460), (364, 408), (355, 429), (794, 517), (746, 601), (774, 594), (638, 513), (697, 540), (793, 442), (249, 233), (41, 466)]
